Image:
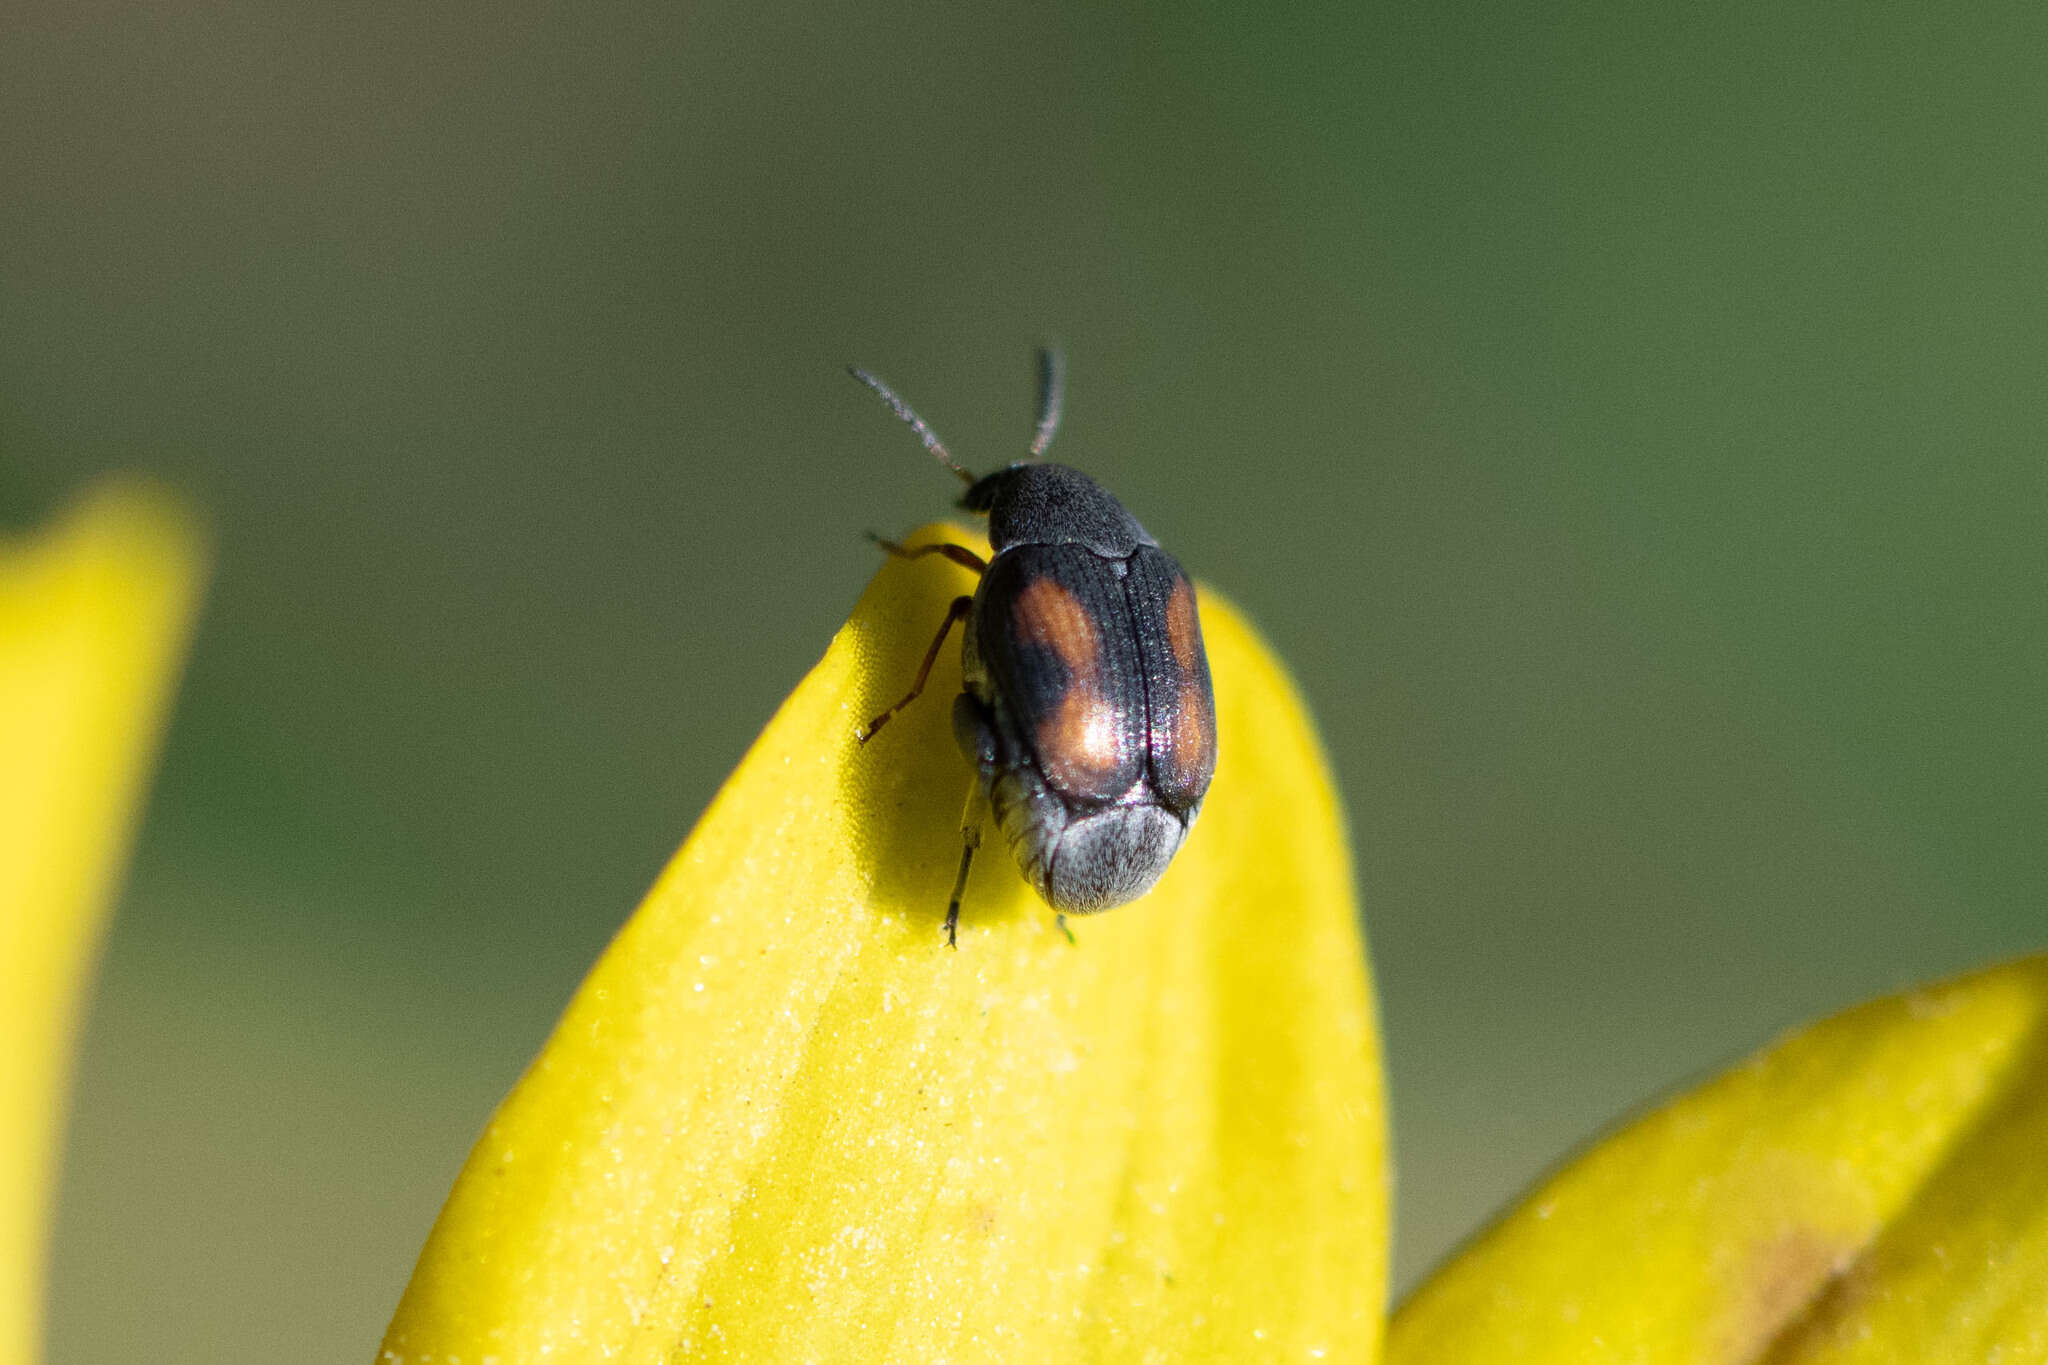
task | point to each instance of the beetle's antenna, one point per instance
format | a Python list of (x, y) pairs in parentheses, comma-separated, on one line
[(1052, 388), (917, 424)]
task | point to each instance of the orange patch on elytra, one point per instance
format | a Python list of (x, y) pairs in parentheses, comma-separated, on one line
[(1191, 730), (1049, 616), (1078, 740), (1183, 629)]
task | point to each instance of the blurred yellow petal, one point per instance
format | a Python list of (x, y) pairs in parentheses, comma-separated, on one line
[(1872, 1189), (782, 1122), (93, 618)]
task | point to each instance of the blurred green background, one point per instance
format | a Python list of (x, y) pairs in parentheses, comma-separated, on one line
[(1628, 421)]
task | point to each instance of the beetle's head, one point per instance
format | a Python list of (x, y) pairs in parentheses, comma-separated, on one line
[(983, 493)]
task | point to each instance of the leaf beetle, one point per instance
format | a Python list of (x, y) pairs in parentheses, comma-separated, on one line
[(1087, 711)]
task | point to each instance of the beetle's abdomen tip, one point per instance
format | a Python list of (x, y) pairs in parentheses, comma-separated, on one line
[(1110, 857)]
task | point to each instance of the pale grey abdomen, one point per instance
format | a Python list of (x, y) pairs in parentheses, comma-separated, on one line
[(1084, 862)]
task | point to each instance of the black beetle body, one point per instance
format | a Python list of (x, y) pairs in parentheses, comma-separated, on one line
[(1088, 713), (1088, 709)]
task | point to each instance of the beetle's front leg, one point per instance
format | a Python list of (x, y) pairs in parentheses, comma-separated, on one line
[(959, 554), (955, 613)]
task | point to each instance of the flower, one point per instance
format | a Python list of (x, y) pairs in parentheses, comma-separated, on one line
[(1873, 1188), (94, 614), (780, 1121)]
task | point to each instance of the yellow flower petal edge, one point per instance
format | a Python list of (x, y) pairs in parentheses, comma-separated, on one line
[(94, 614), (780, 1121), (1874, 1188)]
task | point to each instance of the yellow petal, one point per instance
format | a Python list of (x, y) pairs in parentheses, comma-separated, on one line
[(93, 617), (1874, 1188), (782, 1122)]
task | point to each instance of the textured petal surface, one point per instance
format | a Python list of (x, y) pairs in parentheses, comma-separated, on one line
[(781, 1122), (1874, 1188), (93, 620)]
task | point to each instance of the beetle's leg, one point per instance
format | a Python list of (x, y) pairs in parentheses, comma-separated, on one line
[(974, 733), (959, 554), (957, 612), (970, 840)]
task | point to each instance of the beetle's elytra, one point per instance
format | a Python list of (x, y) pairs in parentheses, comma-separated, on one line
[(1087, 712)]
